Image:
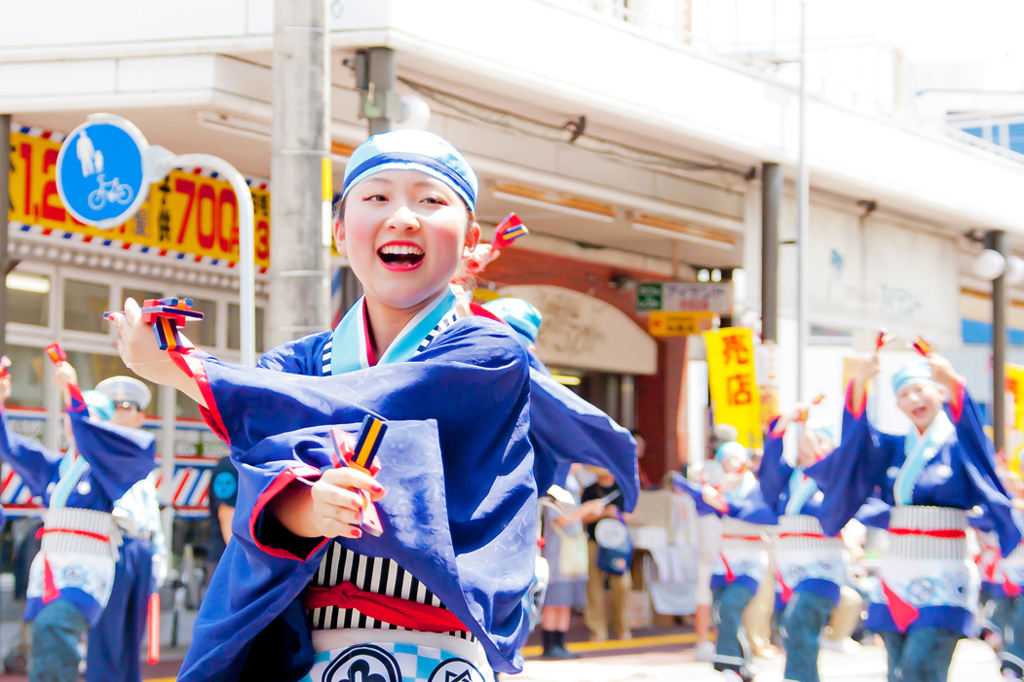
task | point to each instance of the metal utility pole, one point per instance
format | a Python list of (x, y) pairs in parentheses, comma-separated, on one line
[(375, 80), (771, 203), (999, 243), (5, 208), (803, 209), (300, 142)]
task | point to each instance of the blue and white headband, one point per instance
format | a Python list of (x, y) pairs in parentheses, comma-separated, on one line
[(915, 371), (412, 150)]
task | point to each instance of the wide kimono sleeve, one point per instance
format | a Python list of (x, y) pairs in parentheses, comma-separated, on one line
[(683, 485), (301, 356), (752, 508), (850, 474), (459, 514), (978, 461), (35, 464), (118, 457), (566, 429), (774, 472)]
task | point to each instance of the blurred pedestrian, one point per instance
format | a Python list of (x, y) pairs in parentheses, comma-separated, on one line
[(607, 491), (565, 548), (223, 497)]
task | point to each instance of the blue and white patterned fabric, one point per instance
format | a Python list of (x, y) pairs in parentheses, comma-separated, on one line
[(395, 662)]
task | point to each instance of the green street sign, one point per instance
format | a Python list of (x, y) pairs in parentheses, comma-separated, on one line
[(648, 297)]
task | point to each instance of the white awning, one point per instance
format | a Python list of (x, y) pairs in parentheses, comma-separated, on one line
[(583, 332)]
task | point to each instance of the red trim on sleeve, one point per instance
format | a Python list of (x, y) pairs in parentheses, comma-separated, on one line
[(194, 369), (855, 410), (956, 400), (283, 480), (772, 433), (77, 399), (394, 610)]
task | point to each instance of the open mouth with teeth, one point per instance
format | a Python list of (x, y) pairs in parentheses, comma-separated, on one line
[(400, 255)]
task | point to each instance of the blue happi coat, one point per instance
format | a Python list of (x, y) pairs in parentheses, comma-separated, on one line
[(112, 459), (960, 474), (790, 493), (564, 429), (460, 512)]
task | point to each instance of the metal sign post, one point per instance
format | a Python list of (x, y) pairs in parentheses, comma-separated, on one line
[(104, 170)]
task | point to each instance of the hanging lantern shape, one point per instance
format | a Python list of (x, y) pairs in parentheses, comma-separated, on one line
[(989, 264)]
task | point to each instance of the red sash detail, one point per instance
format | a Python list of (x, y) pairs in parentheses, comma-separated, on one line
[(730, 577), (50, 591), (393, 610), (817, 536), (903, 614), (942, 534), (751, 538), (1010, 588), (787, 591), (84, 533)]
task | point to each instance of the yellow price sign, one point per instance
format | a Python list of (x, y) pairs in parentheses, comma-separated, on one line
[(679, 324), (185, 212)]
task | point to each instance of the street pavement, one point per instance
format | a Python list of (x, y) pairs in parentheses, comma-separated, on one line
[(973, 662), (654, 659)]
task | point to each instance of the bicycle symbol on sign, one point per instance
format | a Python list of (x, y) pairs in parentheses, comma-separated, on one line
[(112, 191)]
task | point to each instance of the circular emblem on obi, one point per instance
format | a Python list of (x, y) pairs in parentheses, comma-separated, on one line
[(74, 576), (84, 488), (921, 591), (455, 670), (611, 533), (225, 485), (363, 663)]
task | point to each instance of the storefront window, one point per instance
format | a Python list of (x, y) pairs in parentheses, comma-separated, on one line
[(93, 368), (84, 305), (28, 298), (234, 342), (27, 380), (204, 332), (140, 295)]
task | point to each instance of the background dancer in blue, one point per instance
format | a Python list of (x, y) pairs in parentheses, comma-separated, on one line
[(811, 567), (734, 495), (116, 639), (441, 589), (72, 576), (928, 589)]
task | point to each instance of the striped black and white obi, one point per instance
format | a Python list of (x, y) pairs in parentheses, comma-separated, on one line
[(369, 574), (808, 560)]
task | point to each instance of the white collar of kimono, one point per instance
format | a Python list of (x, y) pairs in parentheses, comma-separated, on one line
[(350, 344), (921, 448), (747, 484), (801, 489), (70, 471)]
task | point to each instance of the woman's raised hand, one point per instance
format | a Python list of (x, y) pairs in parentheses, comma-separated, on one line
[(138, 347), (337, 505)]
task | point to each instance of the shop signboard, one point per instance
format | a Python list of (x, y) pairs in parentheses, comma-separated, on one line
[(684, 297), (185, 212), (733, 382), (1015, 417), (663, 323)]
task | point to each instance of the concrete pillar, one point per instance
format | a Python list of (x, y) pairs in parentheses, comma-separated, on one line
[(300, 141), (1000, 243)]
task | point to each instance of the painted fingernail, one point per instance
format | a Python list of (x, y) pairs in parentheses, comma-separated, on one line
[(377, 488), (356, 533)]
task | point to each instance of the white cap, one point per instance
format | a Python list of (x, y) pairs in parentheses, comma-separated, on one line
[(122, 390)]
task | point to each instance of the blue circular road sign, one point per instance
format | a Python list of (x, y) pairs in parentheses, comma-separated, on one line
[(101, 175)]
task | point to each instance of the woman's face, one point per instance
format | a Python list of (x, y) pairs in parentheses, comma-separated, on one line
[(405, 234), (921, 402)]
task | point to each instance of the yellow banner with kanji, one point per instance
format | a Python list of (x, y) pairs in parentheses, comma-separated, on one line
[(733, 384), (1015, 435), (185, 212)]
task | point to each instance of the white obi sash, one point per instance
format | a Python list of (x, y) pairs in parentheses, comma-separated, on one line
[(926, 564), (806, 553), (743, 552), (396, 656), (79, 551)]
